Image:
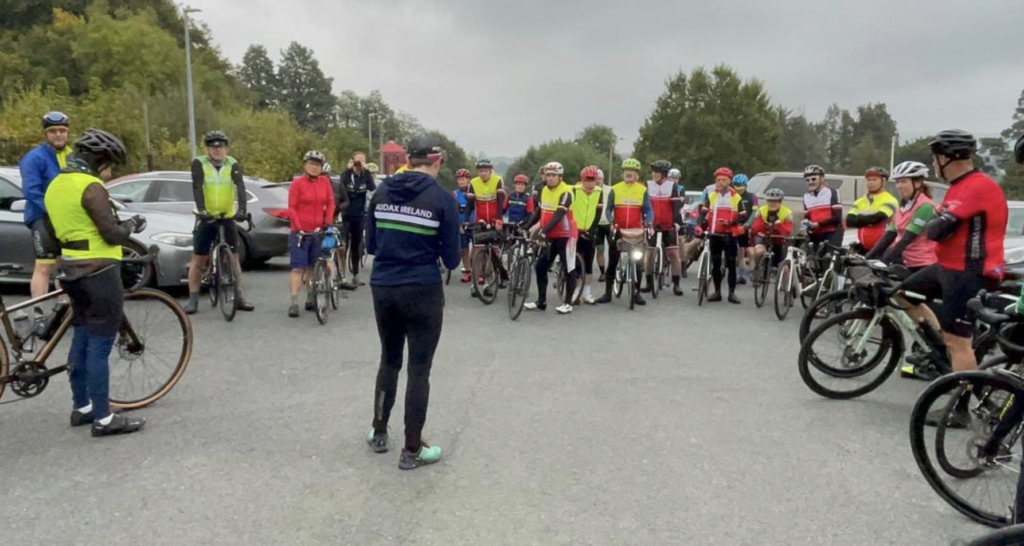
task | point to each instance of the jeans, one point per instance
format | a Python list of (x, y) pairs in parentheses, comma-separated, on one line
[(89, 371), (97, 307), (414, 313)]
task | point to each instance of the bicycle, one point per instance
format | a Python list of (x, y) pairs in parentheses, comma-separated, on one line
[(762, 276), (659, 266), (323, 282), (152, 347), (704, 275), (795, 277), (485, 264), (561, 275), (632, 247), (219, 277), (525, 254)]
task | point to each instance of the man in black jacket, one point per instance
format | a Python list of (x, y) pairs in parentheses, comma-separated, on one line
[(357, 181)]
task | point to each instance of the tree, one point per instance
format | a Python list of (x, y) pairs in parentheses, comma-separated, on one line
[(305, 91), (916, 150), (709, 119), (257, 74), (874, 122), (571, 154), (1013, 180), (800, 144), (866, 154), (599, 137)]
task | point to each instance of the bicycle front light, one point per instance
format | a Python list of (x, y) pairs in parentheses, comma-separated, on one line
[(637, 254), (182, 240)]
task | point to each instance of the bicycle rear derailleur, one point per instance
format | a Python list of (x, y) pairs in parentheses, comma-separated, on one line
[(29, 379)]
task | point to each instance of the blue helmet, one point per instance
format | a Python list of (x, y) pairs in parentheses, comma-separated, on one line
[(740, 180)]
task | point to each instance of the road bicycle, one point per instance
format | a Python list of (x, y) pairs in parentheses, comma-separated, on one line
[(562, 274), (485, 263), (220, 277), (660, 265), (704, 275), (632, 247), (324, 282), (524, 258), (795, 278), (151, 350), (761, 278)]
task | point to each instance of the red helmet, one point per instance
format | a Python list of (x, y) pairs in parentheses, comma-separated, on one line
[(521, 179), (589, 173), (462, 173), (724, 171)]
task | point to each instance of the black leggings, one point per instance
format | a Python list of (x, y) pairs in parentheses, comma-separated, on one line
[(354, 227), (413, 313), (586, 248), (726, 245), (557, 247)]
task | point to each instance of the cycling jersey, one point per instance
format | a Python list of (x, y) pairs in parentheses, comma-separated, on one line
[(723, 211), (465, 215), (310, 203), (665, 202), (883, 204), (586, 208), (38, 168), (911, 218), (977, 244), (487, 196), (605, 190), (219, 190), (552, 200), (782, 218), (79, 236), (824, 209), (629, 205), (518, 207), (749, 205)]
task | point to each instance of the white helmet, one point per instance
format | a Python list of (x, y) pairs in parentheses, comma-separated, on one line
[(674, 173), (554, 168), (910, 169), (314, 155), (600, 174)]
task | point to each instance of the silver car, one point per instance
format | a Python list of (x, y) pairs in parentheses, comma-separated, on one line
[(170, 268)]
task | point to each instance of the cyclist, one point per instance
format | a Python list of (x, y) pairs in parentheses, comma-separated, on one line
[(487, 197), (721, 213), (628, 207), (38, 168), (216, 187), (358, 181), (553, 219), (771, 222), (823, 216), (604, 229), (870, 214), (465, 216), (519, 204), (311, 209), (749, 206), (665, 202), (90, 237), (587, 207)]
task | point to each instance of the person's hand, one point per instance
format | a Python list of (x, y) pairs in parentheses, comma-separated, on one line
[(138, 223), (813, 225), (205, 216), (350, 163), (241, 216), (698, 231), (498, 224)]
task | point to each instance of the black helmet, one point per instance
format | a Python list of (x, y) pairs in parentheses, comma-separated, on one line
[(954, 144), (484, 164), (215, 136), (424, 147), (55, 119), (96, 142), (1018, 150), (812, 170), (661, 166)]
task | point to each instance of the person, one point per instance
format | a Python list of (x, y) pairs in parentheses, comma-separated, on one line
[(374, 169), (311, 209), (413, 223), (519, 204), (628, 207), (357, 181), (604, 229), (487, 198), (870, 214), (465, 217), (823, 213), (720, 214), (554, 221), (38, 168), (217, 185), (90, 237), (748, 206), (771, 223), (666, 203), (587, 207)]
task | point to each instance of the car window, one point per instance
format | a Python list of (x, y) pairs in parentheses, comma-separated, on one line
[(758, 182), (834, 183), (790, 185), (175, 191), (131, 192), (9, 193), (1015, 223), (250, 197), (939, 193)]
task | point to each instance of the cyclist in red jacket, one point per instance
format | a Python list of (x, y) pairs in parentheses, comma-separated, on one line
[(311, 209)]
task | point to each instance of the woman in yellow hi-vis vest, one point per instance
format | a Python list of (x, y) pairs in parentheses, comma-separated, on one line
[(90, 237)]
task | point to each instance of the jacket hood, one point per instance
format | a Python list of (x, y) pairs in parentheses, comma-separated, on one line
[(409, 185)]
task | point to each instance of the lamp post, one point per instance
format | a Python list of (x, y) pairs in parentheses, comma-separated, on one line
[(892, 152), (611, 159), (185, 10), (369, 135)]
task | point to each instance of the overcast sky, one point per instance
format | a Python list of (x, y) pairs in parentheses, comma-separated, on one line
[(499, 76)]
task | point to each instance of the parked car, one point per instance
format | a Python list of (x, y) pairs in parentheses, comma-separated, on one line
[(162, 229), (171, 192)]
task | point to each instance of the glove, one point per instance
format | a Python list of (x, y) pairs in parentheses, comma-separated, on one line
[(241, 216), (138, 223), (205, 216), (498, 224), (698, 231)]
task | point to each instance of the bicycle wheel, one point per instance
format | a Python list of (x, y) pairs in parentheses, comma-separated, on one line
[(151, 351), (1010, 536), (656, 276), (783, 290), (620, 276), (762, 279), (842, 358), (211, 276), (519, 287), (984, 486), (4, 366), (824, 307), (321, 292), (631, 288), (703, 277), (580, 275), (332, 281), (485, 276), (226, 285)]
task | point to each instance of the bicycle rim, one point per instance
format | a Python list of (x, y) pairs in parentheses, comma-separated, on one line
[(212, 288), (703, 279), (321, 295), (843, 358), (517, 288), (226, 284), (142, 373), (761, 281), (783, 296), (4, 366)]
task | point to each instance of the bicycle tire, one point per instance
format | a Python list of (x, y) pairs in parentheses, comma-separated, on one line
[(978, 381), (761, 281), (783, 292), (131, 360), (656, 276), (226, 285), (833, 302), (703, 277), (631, 291), (519, 287), (580, 275), (5, 364), (321, 294), (620, 278), (663, 274), (892, 345), (212, 290), (1008, 536), (485, 265)]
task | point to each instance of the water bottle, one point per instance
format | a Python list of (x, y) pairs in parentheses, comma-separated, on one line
[(22, 325), (47, 328)]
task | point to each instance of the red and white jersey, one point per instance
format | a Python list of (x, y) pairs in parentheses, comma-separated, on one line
[(819, 207), (664, 200)]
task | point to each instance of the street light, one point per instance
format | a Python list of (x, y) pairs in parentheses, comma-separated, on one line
[(892, 152), (185, 10), (611, 159), (369, 136)]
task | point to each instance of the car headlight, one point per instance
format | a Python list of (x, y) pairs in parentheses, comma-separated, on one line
[(637, 254), (183, 240), (1014, 256)]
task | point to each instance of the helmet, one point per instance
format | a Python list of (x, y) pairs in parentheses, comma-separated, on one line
[(1018, 150), (674, 173), (373, 168), (484, 164), (812, 170), (55, 119), (661, 166), (954, 144), (462, 173), (724, 171), (600, 174), (327, 168), (740, 180), (774, 194), (215, 136), (880, 172), (98, 142), (314, 155), (589, 173), (521, 179), (910, 169), (631, 164), (554, 168)]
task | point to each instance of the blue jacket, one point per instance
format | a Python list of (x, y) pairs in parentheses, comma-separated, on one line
[(412, 223), (38, 168)]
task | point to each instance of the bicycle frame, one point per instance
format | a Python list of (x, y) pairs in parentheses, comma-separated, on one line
[(17, 343)]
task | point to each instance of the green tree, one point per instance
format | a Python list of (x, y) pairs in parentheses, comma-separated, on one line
[(572, 155), (800, 143), (257, 74), (916, 150), (305, 91), (1013, 180), (866, 154), (874, 122), (599, 137)]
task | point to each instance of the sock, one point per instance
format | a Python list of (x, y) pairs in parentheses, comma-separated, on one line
[(193, 298), (675, 281), (601, 267), (295, 300), (106, 420), (86, 409), (586, 291)]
